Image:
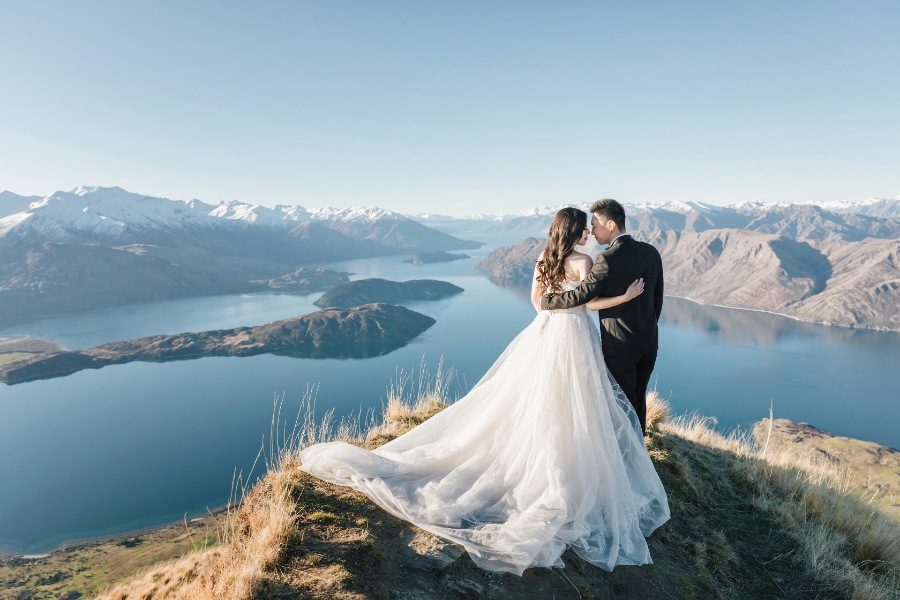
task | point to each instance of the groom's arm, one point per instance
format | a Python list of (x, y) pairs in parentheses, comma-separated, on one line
[(658, 290), (595, 284)]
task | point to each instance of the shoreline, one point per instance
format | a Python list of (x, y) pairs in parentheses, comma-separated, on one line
[(117, 538), (213, 513), (787, 316)]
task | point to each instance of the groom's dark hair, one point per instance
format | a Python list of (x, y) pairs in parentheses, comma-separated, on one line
[(610, 210)]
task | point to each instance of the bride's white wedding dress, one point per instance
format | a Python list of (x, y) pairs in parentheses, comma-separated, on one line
[(541, 455)]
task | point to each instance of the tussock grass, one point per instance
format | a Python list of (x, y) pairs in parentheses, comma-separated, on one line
[(410, 402), (658, 411), (255, 532), (848, 544)]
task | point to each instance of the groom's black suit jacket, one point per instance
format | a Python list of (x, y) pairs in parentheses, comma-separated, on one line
[(629, 329)]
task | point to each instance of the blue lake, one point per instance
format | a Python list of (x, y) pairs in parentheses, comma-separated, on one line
[(107, 451)]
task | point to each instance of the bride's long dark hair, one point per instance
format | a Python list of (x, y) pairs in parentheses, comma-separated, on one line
[(567, 228)]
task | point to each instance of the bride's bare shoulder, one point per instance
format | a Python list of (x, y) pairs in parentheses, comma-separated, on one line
[(578, 265), (579, 259)]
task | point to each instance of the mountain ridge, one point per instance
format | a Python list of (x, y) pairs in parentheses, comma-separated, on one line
[(855, 284), (114, 215), (93, 247)]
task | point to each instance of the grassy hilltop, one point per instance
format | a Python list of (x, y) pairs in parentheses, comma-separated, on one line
[(751, 518)]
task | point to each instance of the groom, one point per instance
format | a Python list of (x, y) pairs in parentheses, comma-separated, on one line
[(628, 331)]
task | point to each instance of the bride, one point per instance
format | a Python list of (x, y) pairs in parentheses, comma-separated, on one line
[(544, 453)]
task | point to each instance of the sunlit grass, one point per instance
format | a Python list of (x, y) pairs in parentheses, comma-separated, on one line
[(11, 357), (848, 546)]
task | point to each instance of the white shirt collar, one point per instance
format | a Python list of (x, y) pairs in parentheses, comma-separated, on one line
[(613, 241)]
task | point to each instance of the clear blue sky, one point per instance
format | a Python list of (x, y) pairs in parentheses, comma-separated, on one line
[(453, 107)]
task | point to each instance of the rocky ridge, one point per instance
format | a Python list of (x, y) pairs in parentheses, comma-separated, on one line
[(513, 265)]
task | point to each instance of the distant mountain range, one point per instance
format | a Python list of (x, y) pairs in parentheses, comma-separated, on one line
[(113, 216), (104, 246), (845, 221), (836, 262), (800, 260)]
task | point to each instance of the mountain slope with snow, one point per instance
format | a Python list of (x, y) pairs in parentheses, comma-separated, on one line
[(115, 216), (102, 246)]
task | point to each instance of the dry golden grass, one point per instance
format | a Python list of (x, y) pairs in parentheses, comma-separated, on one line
[(848, 545), (253, 538), (410, 403), (254, 535), (11, 357), (658, 411)]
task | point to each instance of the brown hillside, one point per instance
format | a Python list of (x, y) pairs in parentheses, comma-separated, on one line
[(742, 527)]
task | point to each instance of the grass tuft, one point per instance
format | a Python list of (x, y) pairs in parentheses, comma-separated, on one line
[(846, 543)]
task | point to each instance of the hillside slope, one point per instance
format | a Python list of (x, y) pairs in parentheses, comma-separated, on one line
[(854, 284), (743, 526)]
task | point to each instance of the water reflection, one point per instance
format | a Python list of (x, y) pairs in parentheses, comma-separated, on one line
[(69, 363), (743, 326)]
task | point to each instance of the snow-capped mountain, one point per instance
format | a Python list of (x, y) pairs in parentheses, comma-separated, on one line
[(96, 246), (439, 218), (883, 208), (359, 214), (11, 203), (115, 216), (100, 214)]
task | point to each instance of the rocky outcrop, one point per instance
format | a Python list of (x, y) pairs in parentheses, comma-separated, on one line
[(364, 291), (360, 332), (513, 265)]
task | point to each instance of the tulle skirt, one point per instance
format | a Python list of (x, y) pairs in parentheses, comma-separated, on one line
[(544, 453)]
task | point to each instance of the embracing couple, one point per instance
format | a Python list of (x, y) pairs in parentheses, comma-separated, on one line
[(546, 452)]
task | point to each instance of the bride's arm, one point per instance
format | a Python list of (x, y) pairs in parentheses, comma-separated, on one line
[(537, 290), (634, 290)]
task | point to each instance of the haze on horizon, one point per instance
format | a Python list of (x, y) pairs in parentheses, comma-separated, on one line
[(453, 109)]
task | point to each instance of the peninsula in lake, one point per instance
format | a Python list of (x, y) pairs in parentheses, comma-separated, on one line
[(360, 332), (427, 258), (364, 291)]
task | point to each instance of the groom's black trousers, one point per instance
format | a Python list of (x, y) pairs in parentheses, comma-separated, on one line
[(633, 376)]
